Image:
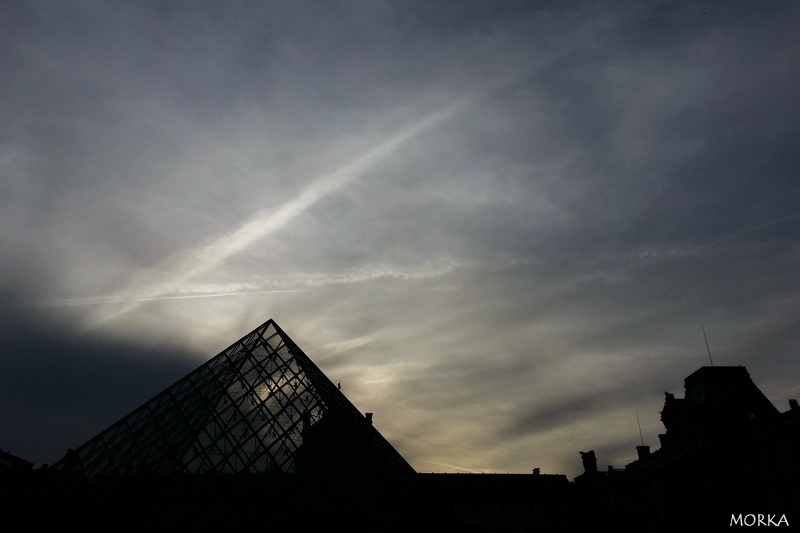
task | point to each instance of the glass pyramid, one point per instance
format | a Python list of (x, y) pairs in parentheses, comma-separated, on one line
[(260, 406)]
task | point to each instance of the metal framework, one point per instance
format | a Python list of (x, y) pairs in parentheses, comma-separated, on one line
[(260, 406)]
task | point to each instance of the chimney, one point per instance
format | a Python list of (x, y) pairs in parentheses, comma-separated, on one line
[(368, 416), (644, 452)]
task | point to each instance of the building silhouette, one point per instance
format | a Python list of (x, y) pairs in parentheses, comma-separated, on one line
[(259, 437), (726, 451), (12, 463)]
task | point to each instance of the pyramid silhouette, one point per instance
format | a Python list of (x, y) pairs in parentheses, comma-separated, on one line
[(260, 406)]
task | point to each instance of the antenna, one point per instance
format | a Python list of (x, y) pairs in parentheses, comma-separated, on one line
[(707, 348), (640, 427)]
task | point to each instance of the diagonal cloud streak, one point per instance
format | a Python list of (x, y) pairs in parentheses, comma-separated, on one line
[(176, 270), (452, 466), (74, 302), (751, 229)]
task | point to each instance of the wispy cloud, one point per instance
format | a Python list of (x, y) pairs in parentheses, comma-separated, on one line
[(73, 302), (289, 283), (449, 466), (428, 270), (172, 274)]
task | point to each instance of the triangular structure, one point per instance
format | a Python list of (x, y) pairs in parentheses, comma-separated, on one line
[(260, 406)]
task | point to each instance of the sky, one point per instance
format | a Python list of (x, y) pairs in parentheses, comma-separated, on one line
[(499, 224)]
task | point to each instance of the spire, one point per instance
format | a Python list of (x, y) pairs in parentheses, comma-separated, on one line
[(260, 406)]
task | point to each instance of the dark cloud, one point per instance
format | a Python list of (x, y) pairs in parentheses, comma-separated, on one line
[(60, 388), (578, 405)]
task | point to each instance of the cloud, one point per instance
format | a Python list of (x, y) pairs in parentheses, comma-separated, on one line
[(184, 266), (61, 388), (544, 417)]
